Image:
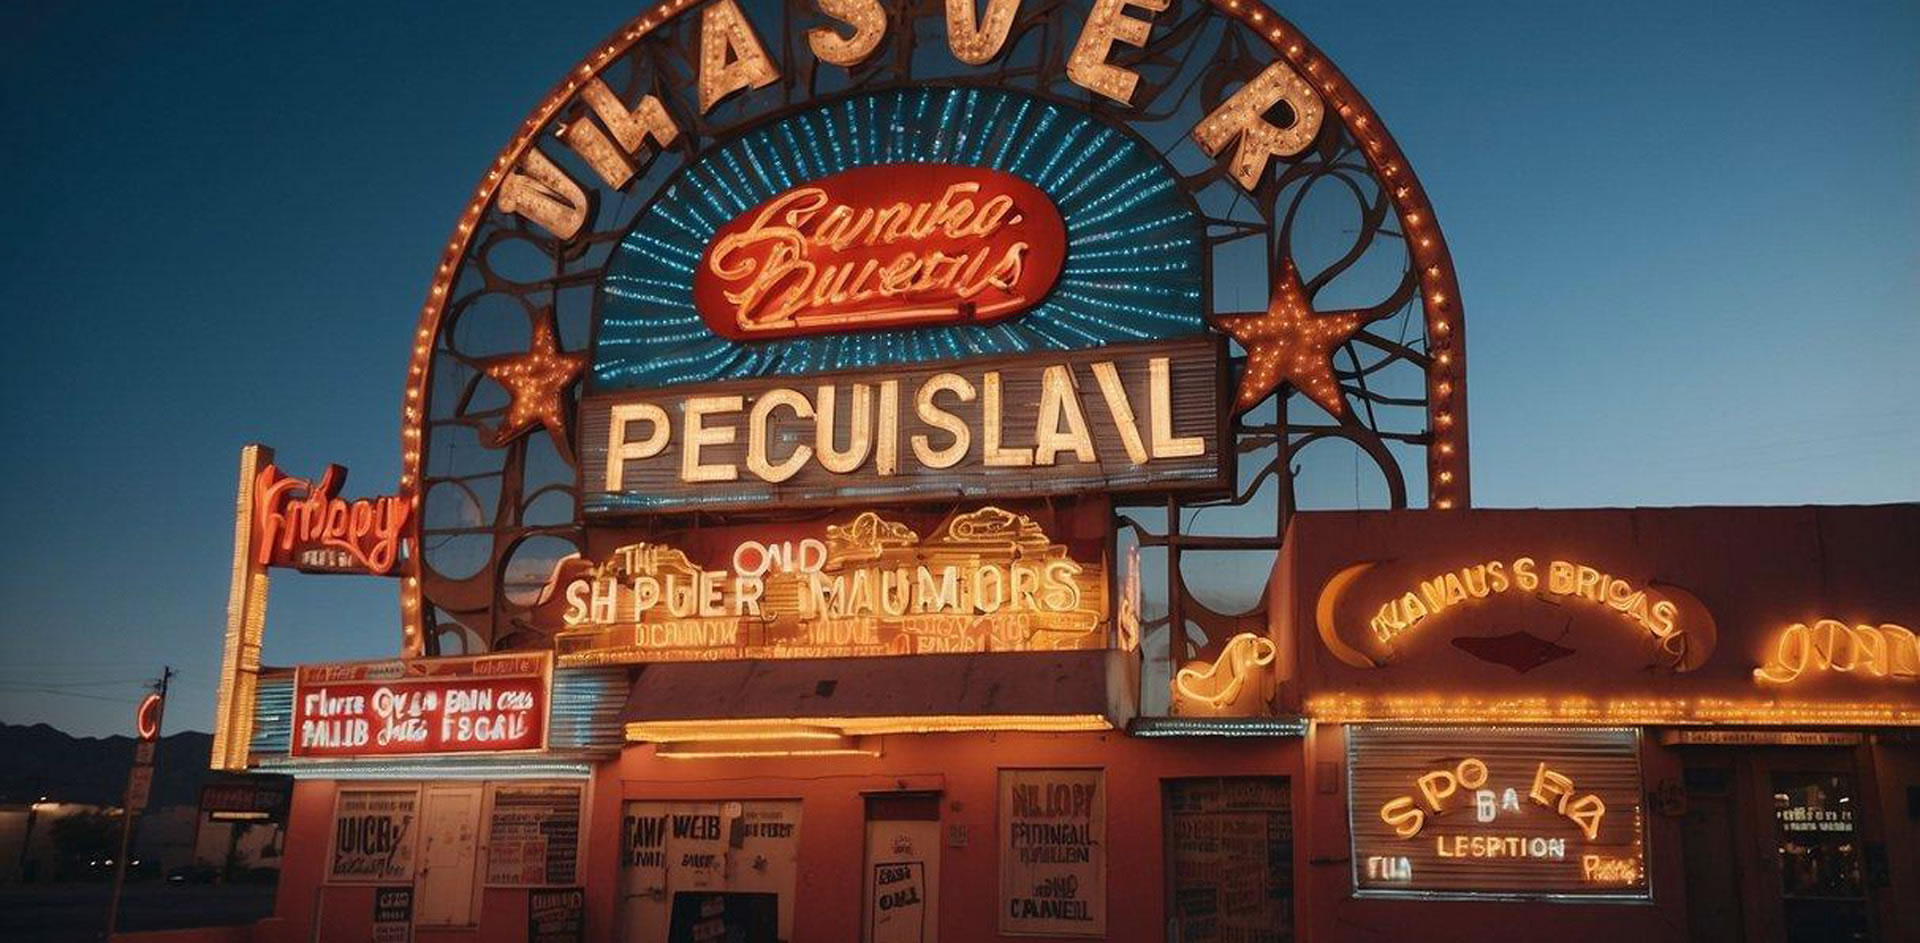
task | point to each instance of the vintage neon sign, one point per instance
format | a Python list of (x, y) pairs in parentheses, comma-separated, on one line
[(989, 580), (298, 523), (1237, 682), (732, 59), (487, 703), (1511, 811), (893, 245), (1884, 652), (1552, 789), (1655, 613)]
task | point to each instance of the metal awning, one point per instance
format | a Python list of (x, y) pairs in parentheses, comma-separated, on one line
[(1072, 690)]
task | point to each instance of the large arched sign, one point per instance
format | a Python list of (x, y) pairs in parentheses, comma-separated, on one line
[(763, 256)]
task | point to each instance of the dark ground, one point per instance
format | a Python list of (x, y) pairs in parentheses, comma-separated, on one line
[(57, 913)]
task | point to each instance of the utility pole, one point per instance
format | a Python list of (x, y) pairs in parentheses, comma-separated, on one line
[(139, 784)]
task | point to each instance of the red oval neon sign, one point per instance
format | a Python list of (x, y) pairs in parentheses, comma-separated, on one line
[(896, 245)]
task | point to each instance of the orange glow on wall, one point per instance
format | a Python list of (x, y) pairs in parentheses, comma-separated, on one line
[(897, 245)]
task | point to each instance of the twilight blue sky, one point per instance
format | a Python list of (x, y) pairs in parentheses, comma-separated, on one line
[(1688, 236)]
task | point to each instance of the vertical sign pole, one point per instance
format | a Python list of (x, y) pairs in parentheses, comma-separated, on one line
[(246, 621), (147, 724)]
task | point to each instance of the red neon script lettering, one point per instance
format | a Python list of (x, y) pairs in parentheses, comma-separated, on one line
[(294, 514)]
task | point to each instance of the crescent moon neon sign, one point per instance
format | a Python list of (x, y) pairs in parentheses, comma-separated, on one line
[(146, 718)]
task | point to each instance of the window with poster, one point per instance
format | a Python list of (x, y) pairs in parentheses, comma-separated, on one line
[(533, 834), (1816, 828), (1538, 813), (1230, 859), (708, 870)]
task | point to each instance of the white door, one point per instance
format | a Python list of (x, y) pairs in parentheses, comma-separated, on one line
[(451, 829)]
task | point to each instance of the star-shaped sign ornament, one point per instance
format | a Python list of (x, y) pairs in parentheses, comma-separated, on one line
[(1291, 343), (537, 381)]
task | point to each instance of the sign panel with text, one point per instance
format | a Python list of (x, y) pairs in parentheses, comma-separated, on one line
[(1520, 812), (1121, 418), (473, 704), (1053, 852)]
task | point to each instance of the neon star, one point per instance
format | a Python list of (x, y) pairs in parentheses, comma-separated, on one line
[(1291, 343), (537, 381)]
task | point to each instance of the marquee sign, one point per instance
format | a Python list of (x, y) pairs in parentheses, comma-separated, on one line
[(987, 580), (828, 254), (1526, 812), (485, 703), (1113, 419)]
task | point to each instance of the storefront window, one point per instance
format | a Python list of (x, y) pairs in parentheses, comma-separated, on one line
[(1230, 851), (716, 870), (1817, 830)]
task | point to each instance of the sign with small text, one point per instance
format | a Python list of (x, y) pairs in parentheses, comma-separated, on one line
[(1053, 852), (471, 704), (1521, 812)]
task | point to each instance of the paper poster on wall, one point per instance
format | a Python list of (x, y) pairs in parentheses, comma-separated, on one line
[(903, 871), (1230, 851), (374, 833), (897, 894), (679, 858), (533, 836), (393, 914), (556, 915), (1053, 861)]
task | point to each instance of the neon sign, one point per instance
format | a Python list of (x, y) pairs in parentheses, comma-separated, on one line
[(989, 580), (732, 59), (1654, 613), (486, 703), (1887, 651), (893, 245), (1117, 418), (1239, 681), (1452, 811), (308, 526)]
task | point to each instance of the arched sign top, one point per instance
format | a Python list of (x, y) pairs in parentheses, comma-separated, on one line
[(1094, 247), (1315, 254)]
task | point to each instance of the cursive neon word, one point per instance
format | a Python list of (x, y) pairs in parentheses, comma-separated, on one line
[(1647, 609), (298, 523), (1886, 651), (835, 255)]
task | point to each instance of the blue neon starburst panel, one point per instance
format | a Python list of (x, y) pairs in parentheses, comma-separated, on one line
[(1134, 250)]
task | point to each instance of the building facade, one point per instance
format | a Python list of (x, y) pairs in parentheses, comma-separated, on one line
[(853, 460)]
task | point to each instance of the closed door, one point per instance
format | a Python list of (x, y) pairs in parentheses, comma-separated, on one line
[(1712, 856), (902, 869), (451, 827)]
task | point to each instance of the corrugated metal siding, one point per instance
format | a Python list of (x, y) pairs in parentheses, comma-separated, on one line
[(586, 709), (272, 717)]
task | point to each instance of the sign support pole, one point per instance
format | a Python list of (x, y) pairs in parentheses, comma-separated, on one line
[(127, 811)]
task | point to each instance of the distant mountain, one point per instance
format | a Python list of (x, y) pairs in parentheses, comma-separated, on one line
[(41, 761)]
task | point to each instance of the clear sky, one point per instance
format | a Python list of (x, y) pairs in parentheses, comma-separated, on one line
[(1688, 236)]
